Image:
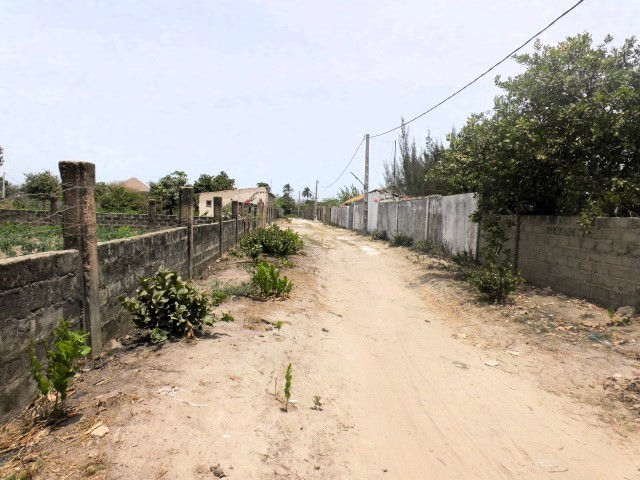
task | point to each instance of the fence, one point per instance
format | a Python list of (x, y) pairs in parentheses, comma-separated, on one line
[(82, 284), (602, 266)]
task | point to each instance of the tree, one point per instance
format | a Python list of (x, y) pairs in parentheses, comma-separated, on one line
[(345, 193), (112, 197), (167, 191), (564, 138), (287, 189), (264, 185), (408, 175), (306, 193), (208, 183), (43, 185)]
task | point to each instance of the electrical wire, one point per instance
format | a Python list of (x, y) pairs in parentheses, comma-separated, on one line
[(483, 73), (345, 168)]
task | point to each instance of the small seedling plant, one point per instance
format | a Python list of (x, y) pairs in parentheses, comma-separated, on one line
[(278, 324), (61, 364), (287, 387), (317, 404)]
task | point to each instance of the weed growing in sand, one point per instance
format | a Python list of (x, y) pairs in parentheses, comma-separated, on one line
[(317, 404), (287, 387), (227, 317), (278, 324), (61, 366), (267, 279)]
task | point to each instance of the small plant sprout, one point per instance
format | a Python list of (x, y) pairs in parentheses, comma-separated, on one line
[(287, 387), (227, 317), (317, 404), (278, 324)]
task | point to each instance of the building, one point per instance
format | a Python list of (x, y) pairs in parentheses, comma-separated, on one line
[(257, 196), (375, 197), (134, 184)]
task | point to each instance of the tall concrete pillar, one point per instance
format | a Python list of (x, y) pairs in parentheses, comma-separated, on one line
[(234, 214), (53, 210), (186, 220), (151, 217), (79, 232), (217, 214)]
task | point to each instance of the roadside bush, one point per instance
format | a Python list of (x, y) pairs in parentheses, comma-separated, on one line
[(271, 241), (495, 282), (401, 240), (61, 366), (267, 279), (424, 247), (168, 305), (379, 235)]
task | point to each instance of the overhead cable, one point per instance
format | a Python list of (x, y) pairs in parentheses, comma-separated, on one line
[(509, 55), (345, 168)]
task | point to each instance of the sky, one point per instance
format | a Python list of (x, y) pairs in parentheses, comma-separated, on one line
[(280, 91)]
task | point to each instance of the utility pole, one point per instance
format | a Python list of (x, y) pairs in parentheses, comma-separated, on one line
[(315, 204), (365, 216), (4, 175), (393, 190)]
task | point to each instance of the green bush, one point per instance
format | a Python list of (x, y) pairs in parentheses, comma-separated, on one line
[(401, 240), (267, 279), (271, 241), (424, 247), (379, 235), (168, 305), (244, 289), (61, 366), (495, 282)]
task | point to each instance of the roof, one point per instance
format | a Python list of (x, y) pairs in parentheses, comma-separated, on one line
[(134, 184), (356, 199)]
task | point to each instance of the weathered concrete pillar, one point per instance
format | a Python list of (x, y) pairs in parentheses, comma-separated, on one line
[(217, 214), (186, 220), (79, 232), (151, 217), (53, 210), (234, 214)]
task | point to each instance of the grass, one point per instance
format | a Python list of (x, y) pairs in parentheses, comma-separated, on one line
[(243, 289), (17, 239)]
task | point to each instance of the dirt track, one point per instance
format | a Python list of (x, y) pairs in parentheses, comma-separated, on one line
[(405, 395)]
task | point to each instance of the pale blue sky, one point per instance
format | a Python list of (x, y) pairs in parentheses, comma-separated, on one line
[(267, 90)]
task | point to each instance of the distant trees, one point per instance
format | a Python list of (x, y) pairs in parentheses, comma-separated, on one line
[(264, 185), (217, 183), (286, 202), (114, 197), (345, 193), (167, 191), (306, 193), (42, 185)]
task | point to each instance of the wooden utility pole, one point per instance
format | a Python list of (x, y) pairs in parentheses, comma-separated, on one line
[(365, 216)]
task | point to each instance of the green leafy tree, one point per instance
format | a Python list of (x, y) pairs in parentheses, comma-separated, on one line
[(345, 193), (407, 176), (42, 185), (265, 185), (563, 139), (286, 203), (112, 197), (217, 183), (306, 193), (167, 191)]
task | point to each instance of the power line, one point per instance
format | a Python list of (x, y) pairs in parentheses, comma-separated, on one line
[(345, 168), (485, 72)]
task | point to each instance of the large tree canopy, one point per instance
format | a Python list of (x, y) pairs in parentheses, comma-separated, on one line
[(563, 139), (217, 183)]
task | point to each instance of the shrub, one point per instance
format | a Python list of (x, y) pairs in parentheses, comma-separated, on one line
[(244, 289), (424, 246), (495, 282), (267, 279), (271, 241), (168, 305), (61, 366), (401, 240), (379, 235)]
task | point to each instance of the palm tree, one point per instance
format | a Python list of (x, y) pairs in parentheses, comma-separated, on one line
[(287, 190), (306, 193)]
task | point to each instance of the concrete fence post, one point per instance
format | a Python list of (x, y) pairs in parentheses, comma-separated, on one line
[(53, 210), (186, 220), (234, 214), (426, 221), (79, 232), (151, 217), (217, 214)]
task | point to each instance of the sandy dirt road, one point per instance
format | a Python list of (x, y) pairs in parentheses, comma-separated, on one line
[(403, 397)]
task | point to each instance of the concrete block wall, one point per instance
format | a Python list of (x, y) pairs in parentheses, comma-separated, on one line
[(603, 266), (36, 217), (35, 290), (123, 262), (206, 246)]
